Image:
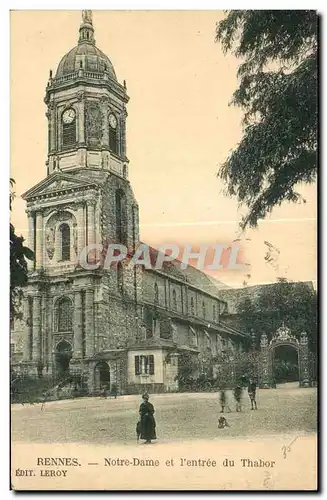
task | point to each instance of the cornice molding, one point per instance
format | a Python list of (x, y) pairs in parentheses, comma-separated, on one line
[(35, 205), (76, 80)]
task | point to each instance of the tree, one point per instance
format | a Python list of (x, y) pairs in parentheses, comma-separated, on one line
[(295, 304), (188, 368), (278, 93), (18, 265)]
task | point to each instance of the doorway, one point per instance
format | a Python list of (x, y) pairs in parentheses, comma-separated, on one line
[(102, 376), (63, 356), (285, 365)]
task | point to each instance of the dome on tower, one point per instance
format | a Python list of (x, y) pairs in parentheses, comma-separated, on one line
[(85, 55)]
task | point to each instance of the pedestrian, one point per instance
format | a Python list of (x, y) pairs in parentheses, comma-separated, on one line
[(252, 388), (147, 421), (222, 400), (238, 397)]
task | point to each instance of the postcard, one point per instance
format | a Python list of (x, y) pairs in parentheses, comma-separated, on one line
[(163, 250)]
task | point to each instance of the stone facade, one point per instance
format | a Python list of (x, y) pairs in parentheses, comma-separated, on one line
[(126, 325)]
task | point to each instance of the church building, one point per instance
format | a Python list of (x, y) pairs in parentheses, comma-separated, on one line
[(123, 326)]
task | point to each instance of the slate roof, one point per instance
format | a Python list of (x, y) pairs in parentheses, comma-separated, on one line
[(190, 275)]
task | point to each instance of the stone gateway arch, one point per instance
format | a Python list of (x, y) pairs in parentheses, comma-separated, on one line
[(283, 337)]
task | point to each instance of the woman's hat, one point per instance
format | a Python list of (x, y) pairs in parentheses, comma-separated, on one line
[(145, 395)]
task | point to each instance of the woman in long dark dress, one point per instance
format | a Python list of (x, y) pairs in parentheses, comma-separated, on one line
[(148, 423)]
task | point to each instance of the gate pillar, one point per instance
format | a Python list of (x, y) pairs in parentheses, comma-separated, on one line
[(304, 369), (265, 364)]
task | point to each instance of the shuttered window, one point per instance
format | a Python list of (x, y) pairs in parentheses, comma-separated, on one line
[(137, 365), (69, 135), (151, 364), (113, 140), (144, 365)]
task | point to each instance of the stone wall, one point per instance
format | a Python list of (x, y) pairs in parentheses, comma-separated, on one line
[(170, 373), (177, 297), (181, 334), (130, 215), (120, 285)]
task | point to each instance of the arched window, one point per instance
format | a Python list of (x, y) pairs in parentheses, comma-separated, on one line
[(156, 293), (120, 276), (68, 128), (65, 316), (113, 134), (192, 306), (174, 298), (120, 217), (203, 309), (65, 241)]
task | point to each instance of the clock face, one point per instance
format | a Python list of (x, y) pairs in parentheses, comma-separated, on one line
[(112, 121), (68, 116)]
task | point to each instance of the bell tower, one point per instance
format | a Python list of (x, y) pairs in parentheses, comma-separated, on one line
[(75, 314), (86, 110)]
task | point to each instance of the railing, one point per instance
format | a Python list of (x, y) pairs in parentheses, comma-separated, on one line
[(66, 78), (80, 74), (96, 76), (77, 74)]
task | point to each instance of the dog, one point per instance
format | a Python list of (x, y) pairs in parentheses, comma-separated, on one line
[(138, 430), (222, 422)]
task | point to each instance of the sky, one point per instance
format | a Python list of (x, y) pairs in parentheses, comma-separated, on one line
[(180, 129)]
